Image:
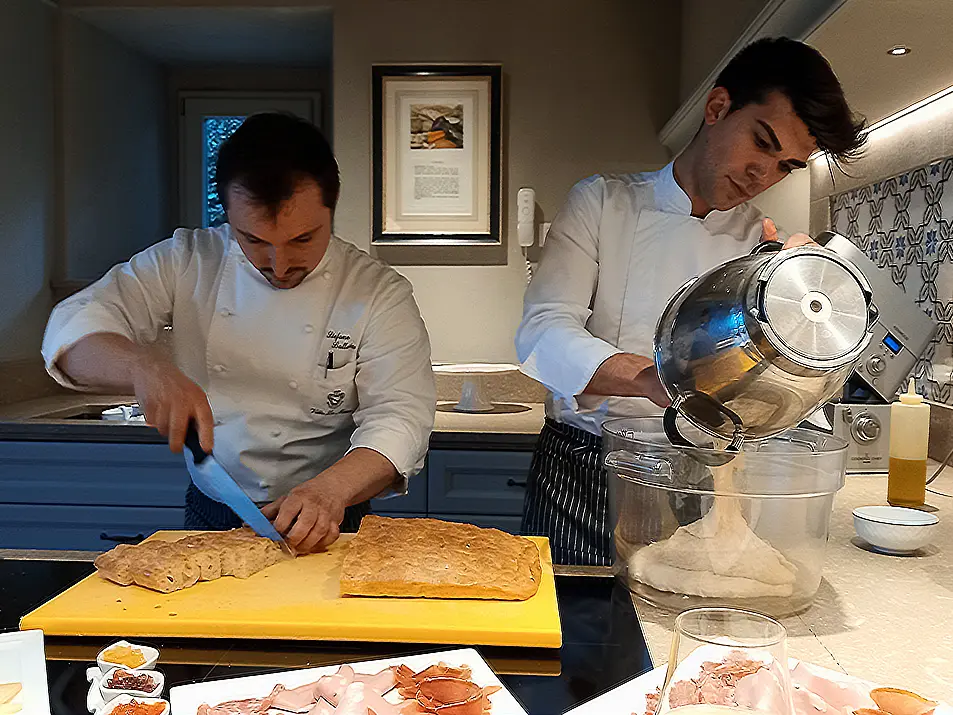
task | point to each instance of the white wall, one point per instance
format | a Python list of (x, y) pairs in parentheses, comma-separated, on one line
[(27, 174), (789, 202), (115, 154), (585, 91), (709, 29)]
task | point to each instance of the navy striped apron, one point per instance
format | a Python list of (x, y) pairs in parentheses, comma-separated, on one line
[(567, 496), (204, 514)]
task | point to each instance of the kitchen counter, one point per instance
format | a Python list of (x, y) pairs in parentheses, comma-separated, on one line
[(882, 618), (509, 426), (602, 645)]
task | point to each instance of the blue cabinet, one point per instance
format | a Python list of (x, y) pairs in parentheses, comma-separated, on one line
[(87, 495), (482, 488), (93, 495)]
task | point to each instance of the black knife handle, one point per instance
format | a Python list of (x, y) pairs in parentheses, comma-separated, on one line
[(193, 443)]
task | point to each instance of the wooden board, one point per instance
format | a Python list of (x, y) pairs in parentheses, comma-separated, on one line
[(298, 600)]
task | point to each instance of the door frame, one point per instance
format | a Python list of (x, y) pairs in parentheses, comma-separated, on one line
[(190, 170)]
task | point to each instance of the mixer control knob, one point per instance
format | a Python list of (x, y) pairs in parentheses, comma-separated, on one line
[(866, 428), (876, 365)]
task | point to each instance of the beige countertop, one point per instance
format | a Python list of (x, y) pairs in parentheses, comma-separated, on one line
[(510, 418), (883, 618)]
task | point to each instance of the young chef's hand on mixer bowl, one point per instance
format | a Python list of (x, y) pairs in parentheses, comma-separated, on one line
[(310, 515), (769, 232)]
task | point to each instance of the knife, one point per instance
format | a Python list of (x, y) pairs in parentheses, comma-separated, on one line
[(217, 484)]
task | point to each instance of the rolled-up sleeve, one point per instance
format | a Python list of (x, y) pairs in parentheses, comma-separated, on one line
[(552, 342), (134, 299), (397, 397)]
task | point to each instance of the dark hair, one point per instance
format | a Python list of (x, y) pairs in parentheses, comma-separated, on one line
[(806, 78), (269, 154)]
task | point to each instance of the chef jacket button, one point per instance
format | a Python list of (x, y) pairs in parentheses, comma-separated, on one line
[(225, 312), (309, 328), (218, 423), (293, 385), (219, 368), (326, 276)]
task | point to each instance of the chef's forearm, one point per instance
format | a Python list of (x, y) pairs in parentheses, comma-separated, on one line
[(105, 361), (619, 375), (359, 475)]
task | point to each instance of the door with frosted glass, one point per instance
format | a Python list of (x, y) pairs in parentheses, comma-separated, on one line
[(205, 121)]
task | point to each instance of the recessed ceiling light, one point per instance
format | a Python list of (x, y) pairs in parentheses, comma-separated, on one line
[(899, 50)]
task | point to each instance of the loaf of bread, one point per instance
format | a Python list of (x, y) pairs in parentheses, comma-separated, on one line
[(168, 566), (428, 558)]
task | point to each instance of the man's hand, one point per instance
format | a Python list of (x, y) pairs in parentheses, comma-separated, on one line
[(769, 232), (169, 401), (310, 515), (628, 375)]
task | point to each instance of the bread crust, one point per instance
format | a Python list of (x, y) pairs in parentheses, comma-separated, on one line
[(429, 558), (167, 566)]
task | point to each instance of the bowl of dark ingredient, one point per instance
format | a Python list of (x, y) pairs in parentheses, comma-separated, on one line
[(129, 681)]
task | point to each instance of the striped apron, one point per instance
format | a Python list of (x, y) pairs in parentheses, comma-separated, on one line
[(205, 514), (567, 496)]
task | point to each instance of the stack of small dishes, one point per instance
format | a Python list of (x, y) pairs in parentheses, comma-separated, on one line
[(124, 680)]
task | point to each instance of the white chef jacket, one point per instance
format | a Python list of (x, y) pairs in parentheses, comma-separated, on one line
[(615, 253), (261, 354)]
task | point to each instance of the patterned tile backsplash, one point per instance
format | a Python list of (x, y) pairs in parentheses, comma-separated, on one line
[(904, 224)]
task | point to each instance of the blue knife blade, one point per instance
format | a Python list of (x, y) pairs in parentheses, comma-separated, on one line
[(217, 484)]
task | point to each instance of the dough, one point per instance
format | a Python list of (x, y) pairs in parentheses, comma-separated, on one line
[(718, 556)]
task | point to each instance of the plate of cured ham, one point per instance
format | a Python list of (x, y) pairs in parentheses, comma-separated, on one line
[(457, 681), (736, 681)]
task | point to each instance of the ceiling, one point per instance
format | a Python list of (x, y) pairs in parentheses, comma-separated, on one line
[(856, 37), (293, 36)]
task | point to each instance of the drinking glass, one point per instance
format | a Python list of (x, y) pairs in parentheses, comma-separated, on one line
[(726, 661)]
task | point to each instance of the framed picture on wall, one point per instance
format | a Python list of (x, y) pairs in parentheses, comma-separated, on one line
[(436, 155)]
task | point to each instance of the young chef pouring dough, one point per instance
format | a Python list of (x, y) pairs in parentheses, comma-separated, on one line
[(622, 245), (303, 361)]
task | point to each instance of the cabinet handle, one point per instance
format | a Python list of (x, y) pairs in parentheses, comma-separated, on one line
[(514, 483), (122, 538)]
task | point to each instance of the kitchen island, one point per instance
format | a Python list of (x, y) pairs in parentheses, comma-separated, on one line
[(881, 618), (602, 643)]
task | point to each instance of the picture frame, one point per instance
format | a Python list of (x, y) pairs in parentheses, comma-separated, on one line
[(436, 154)]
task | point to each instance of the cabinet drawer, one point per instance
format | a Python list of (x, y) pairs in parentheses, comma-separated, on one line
[(510, 524), (92, 473), (414, 501), (83, 528), (465, 482)]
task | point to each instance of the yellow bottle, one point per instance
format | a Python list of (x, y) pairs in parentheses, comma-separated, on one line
[(909, 439)]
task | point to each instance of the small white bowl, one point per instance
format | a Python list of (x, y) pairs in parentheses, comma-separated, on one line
[(150, 654), (123, 699), (894, 529), (110, 693)]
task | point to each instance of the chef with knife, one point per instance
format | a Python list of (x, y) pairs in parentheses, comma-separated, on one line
[(622, 245), (303, 362)]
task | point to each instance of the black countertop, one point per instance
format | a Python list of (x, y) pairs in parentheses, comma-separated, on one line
[(602, 647)]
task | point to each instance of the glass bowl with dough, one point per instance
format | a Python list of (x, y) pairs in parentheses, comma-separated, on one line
[(693, 530)]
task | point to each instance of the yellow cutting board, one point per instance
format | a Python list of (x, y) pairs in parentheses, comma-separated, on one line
[(298, 600)]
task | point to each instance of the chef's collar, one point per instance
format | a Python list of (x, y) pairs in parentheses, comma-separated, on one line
[(669, 196)]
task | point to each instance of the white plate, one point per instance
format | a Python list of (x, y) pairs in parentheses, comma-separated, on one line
[(150, 654), (23, 660), (629, 698), (186, 699)]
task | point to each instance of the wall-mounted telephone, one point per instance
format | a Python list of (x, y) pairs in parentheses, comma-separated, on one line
[(525, 216)]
